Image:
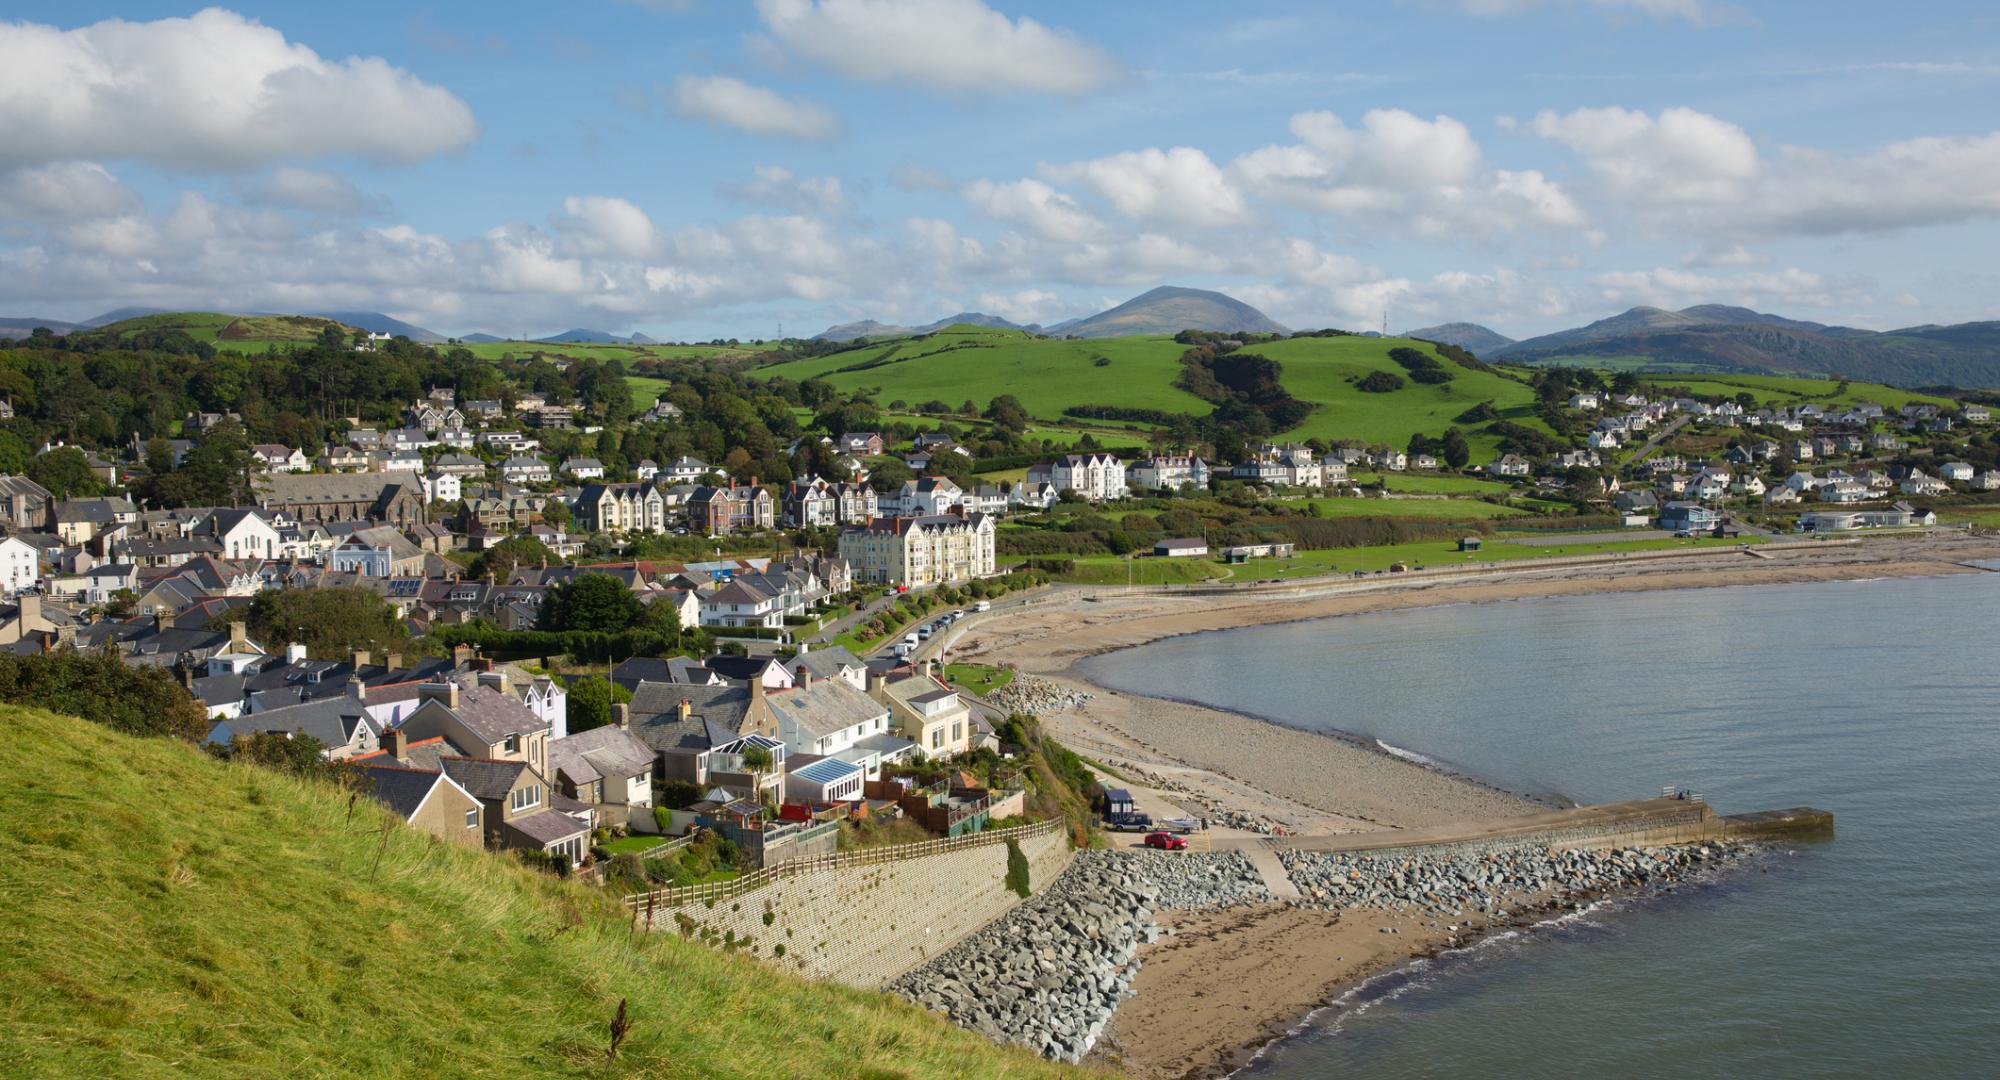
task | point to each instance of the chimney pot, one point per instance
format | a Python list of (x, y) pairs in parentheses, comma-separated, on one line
[(395, 744), (393, 661), (686, 708)]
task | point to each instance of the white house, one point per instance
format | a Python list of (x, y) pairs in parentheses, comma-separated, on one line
[(1917, 483), (1509, 465), (1097, 477), (20, 565), (522, 469), (583, 468), (1957, 472), (245, 534), (443, 487), (740, 604), (1170, 472)]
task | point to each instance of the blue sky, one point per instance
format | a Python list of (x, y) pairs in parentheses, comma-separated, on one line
[(699, 168)]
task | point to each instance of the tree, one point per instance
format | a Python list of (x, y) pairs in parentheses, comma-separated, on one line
[(1379, 382), (1006, 411), (590, 702), (590, 602), (757, 760), (502, 559), (1455, 451), (328, 622), (664, 619), (65, 471)]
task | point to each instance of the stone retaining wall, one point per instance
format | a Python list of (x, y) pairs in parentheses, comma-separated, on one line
[(1641, 823), (867, 925)]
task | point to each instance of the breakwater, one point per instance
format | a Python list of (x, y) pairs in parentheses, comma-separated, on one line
[(1050, 973)]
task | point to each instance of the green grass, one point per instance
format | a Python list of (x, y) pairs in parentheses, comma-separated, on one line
[(981, 364), (239, 333), (1783, 390), (602, 351), (636, 844), (1430, 484), (1110, 570), (645, 390), (1322, 370), (1429, 509), (171, 915), (978, 678)]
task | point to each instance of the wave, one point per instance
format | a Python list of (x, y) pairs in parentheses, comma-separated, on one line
[(1408, 755)]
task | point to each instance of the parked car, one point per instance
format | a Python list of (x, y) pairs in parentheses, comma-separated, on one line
[(1129, 823), (982, 606), (1165, 841)]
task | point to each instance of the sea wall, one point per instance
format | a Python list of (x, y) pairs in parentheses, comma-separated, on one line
[(864, 918), (1640, 823)]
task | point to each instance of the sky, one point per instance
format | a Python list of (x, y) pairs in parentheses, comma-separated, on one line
[(694, 169)]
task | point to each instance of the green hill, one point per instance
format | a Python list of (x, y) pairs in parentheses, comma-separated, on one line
[(252, 332), (1050, 375), (981, 363), (169, 915)]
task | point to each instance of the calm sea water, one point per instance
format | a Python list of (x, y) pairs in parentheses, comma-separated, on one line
[(1872, 954)]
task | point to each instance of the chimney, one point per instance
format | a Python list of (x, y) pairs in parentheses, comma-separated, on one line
[(621, 715), (461, 656), (757, 690), (360, 659), (238, 640), (396, 744), (686, 709), (495, 679), (482, 663), (877, 684), (295, 653), (187, 676), (357, 689), (445, 692), (805, 679), (393, 661), (159, 617), (805, 647)]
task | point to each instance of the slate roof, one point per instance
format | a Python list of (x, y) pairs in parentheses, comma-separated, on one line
[(826, 663), (608, 751), (715, 717), (825, 707), (488, 779), (493, 714), (332, 721), (399, 787), (547, 827)]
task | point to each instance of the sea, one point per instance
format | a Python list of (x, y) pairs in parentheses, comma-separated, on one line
[(1869, 954)]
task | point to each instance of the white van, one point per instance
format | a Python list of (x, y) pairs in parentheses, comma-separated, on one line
[(982, 606), (910, 640)]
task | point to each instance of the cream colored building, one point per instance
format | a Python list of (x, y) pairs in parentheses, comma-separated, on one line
[(940, 549), (926, 712)]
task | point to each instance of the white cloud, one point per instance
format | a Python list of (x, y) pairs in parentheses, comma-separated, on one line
[(1675, 287), (1687, 171), (1697, 12), (1426, 176), (211, 91), (962, 46), (731, 102), (779, 186), (1041, 208), (1681, 155), (1733, 255), (313, 191), (606, 225), (1180, 186), (63, 191), (1027, 306)]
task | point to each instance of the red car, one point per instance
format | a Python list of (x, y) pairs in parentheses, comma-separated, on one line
[(1165, 841)]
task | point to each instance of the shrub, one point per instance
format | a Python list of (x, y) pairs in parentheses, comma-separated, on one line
[(1379, 382), (1017, 869)]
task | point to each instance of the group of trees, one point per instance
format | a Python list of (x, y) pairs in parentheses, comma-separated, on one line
[(330, 623)]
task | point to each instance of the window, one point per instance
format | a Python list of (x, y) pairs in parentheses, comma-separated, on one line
[(937, 738), (524, 798), (512, 744), (472, 818)]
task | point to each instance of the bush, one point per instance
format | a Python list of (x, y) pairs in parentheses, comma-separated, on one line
[(101, 687), (673, 795), (1017, 869), (1379, 382)]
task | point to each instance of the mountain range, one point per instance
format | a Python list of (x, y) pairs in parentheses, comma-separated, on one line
[(1735, 339), (1465, 335), (1168, 309)]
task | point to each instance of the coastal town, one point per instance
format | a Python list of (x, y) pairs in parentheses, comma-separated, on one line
[(681, 682), (943, 539)]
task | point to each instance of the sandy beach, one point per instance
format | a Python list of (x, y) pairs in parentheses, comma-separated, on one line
[(1228, 981)]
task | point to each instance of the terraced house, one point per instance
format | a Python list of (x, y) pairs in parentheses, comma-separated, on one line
[(636, 507), (722, 511), (918, 551)]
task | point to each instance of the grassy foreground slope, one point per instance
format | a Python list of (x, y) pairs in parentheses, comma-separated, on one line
[(164, 914)]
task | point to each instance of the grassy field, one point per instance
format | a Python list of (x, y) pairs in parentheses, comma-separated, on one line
[(1433, 509), (645, 390), (1781, 390), (1111, 570), (236, 333), (978, 678), (171, 915), (1323, 370), (1433, 484), (957, 364)]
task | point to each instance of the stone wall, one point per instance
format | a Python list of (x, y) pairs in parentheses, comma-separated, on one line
[(1641, 823), (865, 925)]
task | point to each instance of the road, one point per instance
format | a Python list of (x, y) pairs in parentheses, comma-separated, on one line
[(1660, 436)]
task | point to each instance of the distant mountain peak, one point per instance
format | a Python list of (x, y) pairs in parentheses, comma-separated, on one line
[(1169, 309), (1465, 335)]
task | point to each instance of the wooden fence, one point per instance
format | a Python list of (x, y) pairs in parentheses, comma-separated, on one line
[(735, 887)]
